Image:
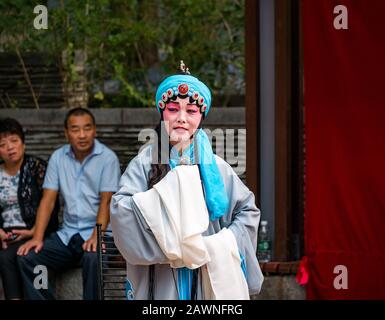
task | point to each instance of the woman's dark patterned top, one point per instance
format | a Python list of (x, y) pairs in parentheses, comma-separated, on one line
[(30, 191)]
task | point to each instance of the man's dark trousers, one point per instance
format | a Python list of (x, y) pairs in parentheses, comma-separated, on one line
[(58, 257)]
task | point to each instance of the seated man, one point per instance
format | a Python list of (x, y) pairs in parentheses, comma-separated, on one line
[(86, 173)]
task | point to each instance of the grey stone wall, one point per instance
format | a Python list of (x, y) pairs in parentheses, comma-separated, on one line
[(119, 129), (275, 287), (281, 287), (69, 285)]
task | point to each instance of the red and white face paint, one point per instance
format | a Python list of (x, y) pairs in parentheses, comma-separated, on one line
[(182, 120)]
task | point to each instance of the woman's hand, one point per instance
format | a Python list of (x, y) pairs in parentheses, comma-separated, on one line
[(3, 237), (22, 234), (19, 233)]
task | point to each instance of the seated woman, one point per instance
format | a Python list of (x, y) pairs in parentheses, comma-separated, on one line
[(175, 247), (21, 179)]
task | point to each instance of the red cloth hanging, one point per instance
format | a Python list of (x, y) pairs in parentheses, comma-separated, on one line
[(302, 276), (344, 99)]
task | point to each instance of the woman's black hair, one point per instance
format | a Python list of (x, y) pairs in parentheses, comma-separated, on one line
[(11, 126), (158, 169)]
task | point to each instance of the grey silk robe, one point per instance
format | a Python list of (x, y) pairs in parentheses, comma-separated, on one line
[(137, 244)]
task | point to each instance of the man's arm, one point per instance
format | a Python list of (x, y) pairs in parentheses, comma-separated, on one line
[(103, 218), (44, 212)]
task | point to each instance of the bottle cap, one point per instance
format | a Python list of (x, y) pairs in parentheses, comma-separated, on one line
[(263, 223)]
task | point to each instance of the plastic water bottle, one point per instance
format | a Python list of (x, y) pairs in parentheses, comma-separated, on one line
[(264, 243)]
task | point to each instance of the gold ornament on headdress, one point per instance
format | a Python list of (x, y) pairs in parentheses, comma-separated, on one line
[(183, 68)]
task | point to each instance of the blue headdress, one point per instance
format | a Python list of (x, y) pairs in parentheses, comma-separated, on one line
[(185, 85)]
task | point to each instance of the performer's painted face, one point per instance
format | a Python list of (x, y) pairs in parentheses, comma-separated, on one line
[(183, 119)]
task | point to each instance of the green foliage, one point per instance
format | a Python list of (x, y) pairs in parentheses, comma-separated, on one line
[(136, 42)]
